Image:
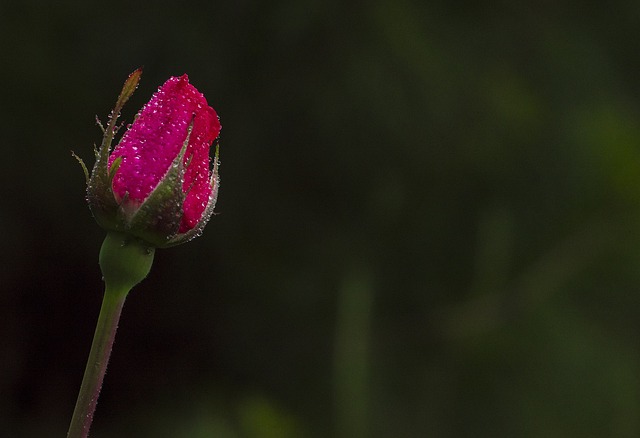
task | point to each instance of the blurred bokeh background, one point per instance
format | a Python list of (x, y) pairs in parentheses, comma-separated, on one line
[(429, 220)]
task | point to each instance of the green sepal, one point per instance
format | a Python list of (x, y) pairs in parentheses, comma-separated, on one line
[(208, 212), (100, 196), (99, 123), (158, 217), (102, 202), (84, 166), (128, 88), (114, 168)]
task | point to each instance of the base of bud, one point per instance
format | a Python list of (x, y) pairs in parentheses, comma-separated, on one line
[(125, 261)]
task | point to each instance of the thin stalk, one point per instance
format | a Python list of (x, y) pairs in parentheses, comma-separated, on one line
[(125, 261), (97, 363)]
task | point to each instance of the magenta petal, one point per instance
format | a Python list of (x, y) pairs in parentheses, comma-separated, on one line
[(155, 139)]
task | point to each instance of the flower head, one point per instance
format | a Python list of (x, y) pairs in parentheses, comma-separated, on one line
[(157, 184)]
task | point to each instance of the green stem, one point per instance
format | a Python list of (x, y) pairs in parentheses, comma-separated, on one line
[(124, 261), (97, 363)]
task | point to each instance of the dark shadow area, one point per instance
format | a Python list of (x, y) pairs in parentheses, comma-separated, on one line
[(428, 222)]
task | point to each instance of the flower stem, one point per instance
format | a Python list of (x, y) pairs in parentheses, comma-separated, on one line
[(124, 261), (97, 363)]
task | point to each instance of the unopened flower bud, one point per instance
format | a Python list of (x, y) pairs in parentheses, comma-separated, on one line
[(158, 183)]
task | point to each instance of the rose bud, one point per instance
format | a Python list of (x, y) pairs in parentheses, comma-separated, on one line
[(158, 184)]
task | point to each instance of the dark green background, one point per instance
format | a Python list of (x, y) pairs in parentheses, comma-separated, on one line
[(429, 220)]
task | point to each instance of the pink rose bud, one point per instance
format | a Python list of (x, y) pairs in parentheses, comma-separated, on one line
[(158, 183)]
